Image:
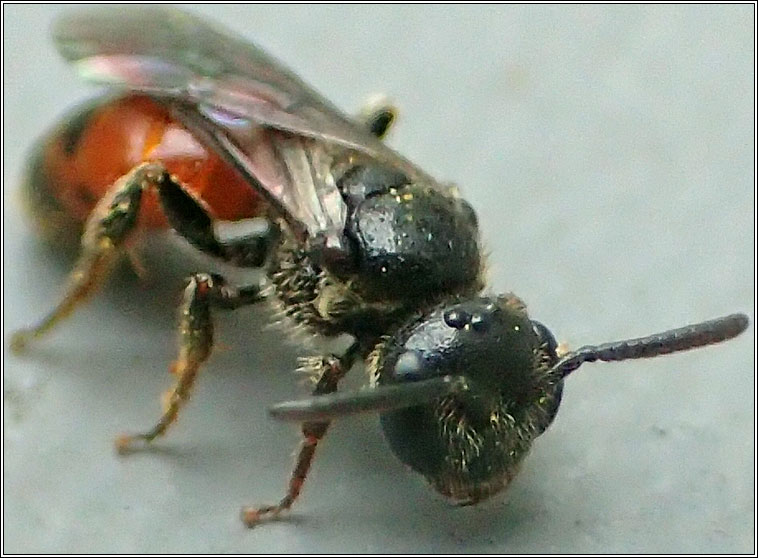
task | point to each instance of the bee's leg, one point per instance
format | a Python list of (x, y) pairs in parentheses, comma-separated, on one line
[(330, 369), (108, 227), (204, 291), (113, 222), (187, 217), (378, 115)]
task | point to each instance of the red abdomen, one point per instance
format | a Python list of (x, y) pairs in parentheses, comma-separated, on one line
[(81, 159)]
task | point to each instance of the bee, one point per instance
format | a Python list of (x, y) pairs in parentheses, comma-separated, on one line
[(360, 241)]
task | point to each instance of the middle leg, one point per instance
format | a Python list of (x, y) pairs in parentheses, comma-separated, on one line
[(204, 291)]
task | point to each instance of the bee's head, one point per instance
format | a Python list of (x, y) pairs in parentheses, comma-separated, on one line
[(468, 443)]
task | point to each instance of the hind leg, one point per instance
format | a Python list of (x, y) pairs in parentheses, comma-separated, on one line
[(106, 231), (112, 224)]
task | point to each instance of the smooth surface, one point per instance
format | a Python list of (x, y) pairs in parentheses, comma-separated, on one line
[(609, 153)]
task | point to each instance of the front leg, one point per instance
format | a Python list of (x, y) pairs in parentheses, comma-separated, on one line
[(329, 370), (203, 292)]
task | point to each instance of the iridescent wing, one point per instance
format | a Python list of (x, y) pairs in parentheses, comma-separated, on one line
[(270, 124)]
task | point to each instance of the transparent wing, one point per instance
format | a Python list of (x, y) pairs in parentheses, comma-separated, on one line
[(238, 91), (292, 172)]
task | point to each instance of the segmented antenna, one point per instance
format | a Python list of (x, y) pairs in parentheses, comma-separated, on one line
[(674, 340)]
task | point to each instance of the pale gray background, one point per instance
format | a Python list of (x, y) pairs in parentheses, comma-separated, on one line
[(609, 153)]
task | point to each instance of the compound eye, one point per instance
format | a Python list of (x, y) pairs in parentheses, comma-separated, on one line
[(545, 337), (469, 213)]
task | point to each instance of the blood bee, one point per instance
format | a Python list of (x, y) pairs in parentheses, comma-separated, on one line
[(361, 242)]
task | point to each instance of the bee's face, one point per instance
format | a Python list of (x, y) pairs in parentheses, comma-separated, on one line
[(468, 445)]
